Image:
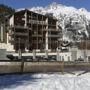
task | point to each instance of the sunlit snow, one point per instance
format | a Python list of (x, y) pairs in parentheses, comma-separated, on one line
[(48, 81)]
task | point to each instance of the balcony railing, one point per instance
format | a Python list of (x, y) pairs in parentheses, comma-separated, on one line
[(16, 41), (51, 42), (21, 33), (55, 36), (36, 35), (18, 33), (19, 21), (11, 33), (19, 26), (11, 39), (37, 22), (54, 30), (37, 41)]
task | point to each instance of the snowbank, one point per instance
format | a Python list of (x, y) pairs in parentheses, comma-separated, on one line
[(53, 81)]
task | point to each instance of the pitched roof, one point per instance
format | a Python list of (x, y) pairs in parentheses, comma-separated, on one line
[(23, 10)]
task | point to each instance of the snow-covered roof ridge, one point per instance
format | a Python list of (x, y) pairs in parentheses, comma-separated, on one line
[(17, 10)]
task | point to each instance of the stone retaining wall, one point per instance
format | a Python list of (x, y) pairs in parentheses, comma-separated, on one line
[(33, 67)]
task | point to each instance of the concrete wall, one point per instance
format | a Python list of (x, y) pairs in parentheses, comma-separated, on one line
[(41, 67), (9, 67), (15, 67), (3, 54), (33, 67)]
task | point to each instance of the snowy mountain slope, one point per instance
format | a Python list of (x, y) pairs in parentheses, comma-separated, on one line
[(78, 25), (73, 21)]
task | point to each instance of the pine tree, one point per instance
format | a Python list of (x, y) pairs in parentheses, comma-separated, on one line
[(5, 11)]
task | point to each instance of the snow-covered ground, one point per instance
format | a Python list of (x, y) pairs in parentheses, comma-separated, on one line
[(48, 81)]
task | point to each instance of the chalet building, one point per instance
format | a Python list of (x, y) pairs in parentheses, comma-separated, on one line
[(31, 31)]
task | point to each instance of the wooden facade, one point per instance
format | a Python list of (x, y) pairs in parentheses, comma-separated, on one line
[(33, 31)]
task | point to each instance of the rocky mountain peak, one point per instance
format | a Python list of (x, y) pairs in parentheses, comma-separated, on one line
[(76, 21), (83, 10), (54, 5)]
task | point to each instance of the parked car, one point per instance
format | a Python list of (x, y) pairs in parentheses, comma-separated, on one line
[(11, 57), (29, 59), (15, 59), (79, 59)]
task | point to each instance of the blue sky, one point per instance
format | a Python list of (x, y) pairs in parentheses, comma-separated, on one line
[(16, 4)]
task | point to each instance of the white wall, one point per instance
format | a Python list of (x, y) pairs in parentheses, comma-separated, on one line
[(3, 46), (83, 54), (80, 53), (10, 47), (65, 55), (12, 20)]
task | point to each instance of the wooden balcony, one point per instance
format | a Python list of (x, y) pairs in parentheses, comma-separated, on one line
[(18, 33), (37, 22), (40, 41), (19, 27), (19, 16), (11, 33), (16, 41), (11, 40), (19, 21), (53, 41), (54, 30), (36, 35), (52, 24), (54, 36), (44, 29), (21, 34), (37, 41)]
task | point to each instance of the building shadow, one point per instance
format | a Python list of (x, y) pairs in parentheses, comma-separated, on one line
[(8, 81)]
